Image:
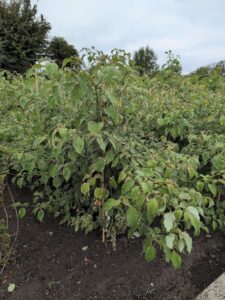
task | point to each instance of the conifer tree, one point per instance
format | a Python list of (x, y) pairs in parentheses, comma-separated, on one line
[(23, 35)]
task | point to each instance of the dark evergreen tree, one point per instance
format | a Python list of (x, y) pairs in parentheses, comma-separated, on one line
[(23, 35), (59, 49), (146, 61)]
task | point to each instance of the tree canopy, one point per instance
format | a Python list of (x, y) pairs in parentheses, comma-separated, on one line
[(23, 35), (59, 49), (146, 61)]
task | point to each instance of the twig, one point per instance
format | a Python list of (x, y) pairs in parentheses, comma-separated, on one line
[(17, 226), (6, 216)]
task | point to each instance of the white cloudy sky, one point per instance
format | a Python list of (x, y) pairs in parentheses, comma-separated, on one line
[(193, 29)]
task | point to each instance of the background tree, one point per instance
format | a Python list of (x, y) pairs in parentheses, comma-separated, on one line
[(23, 35), (146, 61), (206, 71), (221, 64), (202, 72), (59, 49)]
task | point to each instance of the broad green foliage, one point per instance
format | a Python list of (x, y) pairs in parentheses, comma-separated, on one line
[(106, 148)]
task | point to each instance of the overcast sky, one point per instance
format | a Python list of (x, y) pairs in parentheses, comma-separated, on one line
[(192, 29)]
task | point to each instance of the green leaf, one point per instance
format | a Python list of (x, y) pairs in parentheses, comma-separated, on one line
[(20, 182), (99, 165), (137, 196), (112, 113), (66, 61), (22, 212), (112, 182), (111, 97), (181, 245), (113, 142), (78, 144), (169, 241), (57, 182), (147, 243), (101, 193), (168, 221), (111, 203), (199, 186), (168, 254), (213, 189), (161, 121), (122, 176), (214, 225), (192, 172), (101, 144), (152, 207), (41, 215), (109, 156), (72, 155), (125, 201), (174, 132), (178, 214), (147, 187), (30, 166), (53, 170), (66, 173), (222, 121), (63, 132), (95, 128), (132, 216), (115, 161), (51, 69), (188, 241), (41, 165), (219, 161), (196, 224), (176, 259), (39, 140), (194, 220), (11, 287), (92, 181), (127, 186), (150, 253), (184, 196), (192, 210), (85, 188)]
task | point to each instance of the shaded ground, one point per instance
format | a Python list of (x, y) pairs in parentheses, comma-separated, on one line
[(50, 264)]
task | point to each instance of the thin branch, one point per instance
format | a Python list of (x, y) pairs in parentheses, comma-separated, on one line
[(17, 226)]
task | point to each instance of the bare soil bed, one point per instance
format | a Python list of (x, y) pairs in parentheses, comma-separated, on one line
[(51, 264)]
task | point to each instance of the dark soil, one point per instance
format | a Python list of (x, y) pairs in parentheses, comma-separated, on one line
[(50, 264)]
